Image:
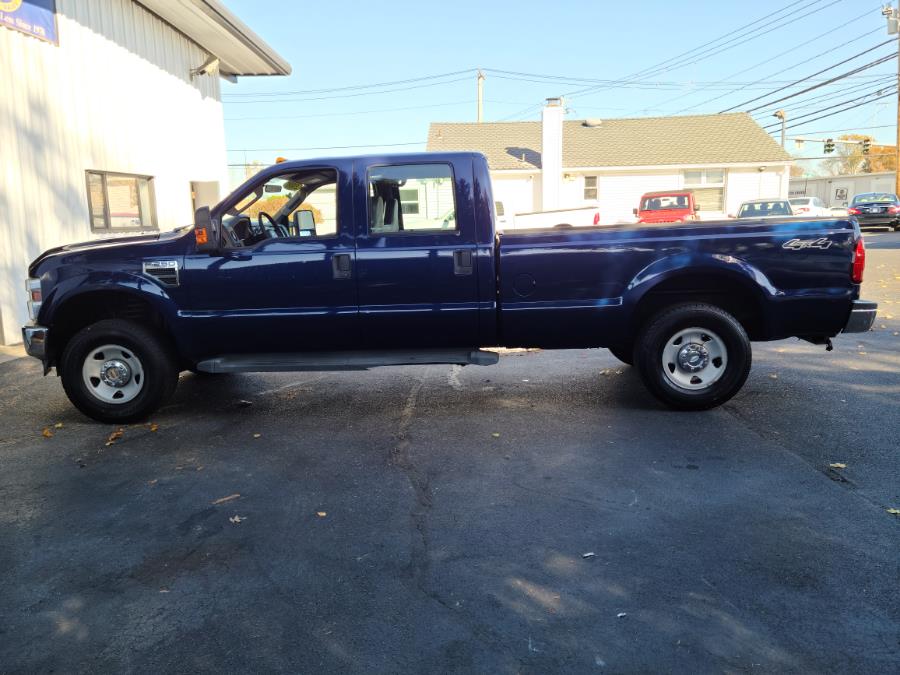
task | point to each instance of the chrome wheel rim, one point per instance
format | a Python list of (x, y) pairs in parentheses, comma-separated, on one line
[(694, 359), (113, 374)]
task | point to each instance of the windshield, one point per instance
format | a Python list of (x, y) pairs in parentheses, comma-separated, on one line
[(662, 202), (763, 209), (872, 197)]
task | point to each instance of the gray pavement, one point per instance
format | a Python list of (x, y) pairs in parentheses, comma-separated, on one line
[(440, 519)]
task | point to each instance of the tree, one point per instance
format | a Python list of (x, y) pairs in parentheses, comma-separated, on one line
[(849, 158)]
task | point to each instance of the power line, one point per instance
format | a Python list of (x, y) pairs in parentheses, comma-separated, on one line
[(326, 147), (355, 112), (819, 99), (360, 93), (885, 90), (779, 55), (708, 53), (837, 131), (809, 77), (838, 112), (329, 90)]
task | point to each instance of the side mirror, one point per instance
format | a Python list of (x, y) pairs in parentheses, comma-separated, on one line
[(206, 231), (696, 208), (634, 211), (304, 220)]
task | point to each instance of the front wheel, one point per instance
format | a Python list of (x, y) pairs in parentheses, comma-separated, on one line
[(693, 356), (117, 371)]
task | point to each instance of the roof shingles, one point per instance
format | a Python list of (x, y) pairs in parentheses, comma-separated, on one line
[(733, 138)]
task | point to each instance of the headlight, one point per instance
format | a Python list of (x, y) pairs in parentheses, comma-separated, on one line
[(35, 298)]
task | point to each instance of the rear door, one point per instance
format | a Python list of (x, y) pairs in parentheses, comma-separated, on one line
[(416, 254)]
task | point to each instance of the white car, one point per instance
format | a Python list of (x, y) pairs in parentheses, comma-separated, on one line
[(809, 206)]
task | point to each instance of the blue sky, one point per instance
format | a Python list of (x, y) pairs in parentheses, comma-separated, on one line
[(342, 44)]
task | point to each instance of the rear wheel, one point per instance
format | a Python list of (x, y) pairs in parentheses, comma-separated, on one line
[(118, 371), (693, 356)]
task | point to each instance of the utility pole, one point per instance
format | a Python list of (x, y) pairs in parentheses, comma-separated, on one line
[(780, 114), (480, 96), (892, 14)]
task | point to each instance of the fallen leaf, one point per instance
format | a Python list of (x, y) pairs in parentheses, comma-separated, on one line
[(621, 615), (774, 376), (256, 435), (236, 519), (163, 590), (589, 554), (495, 435), (116, 435), (838, 465), (222, 500), (154, 427), (894, 512), (200, 468), (321, 514), (46, 433), (58, 425), (863, 353), (153, 482)]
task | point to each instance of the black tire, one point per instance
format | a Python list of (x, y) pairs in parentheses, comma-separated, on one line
[(625, 354), (158, 365), (665, 326)]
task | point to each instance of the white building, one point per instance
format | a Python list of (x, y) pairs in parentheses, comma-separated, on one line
[(837, 191), (610, 163), (110, 121)]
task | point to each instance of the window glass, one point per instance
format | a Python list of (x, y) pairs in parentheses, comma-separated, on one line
[(715, 176), (498, 207), (590, 188), (293, 204), (120, 202), (693, 177), (411, 198)]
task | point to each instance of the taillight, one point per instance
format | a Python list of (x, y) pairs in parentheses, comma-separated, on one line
[(853, 211), (597, 218), (894, 209), (859, 262), (802, 209)]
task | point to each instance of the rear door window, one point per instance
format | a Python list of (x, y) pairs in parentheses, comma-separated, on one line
[(411, 198)]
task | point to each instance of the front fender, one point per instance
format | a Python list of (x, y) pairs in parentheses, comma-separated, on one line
[(118, 282)]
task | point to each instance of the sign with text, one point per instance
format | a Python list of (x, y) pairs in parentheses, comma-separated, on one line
[(32, 17)]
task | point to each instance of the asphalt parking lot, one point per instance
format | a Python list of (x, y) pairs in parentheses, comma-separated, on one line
[(543, 515)]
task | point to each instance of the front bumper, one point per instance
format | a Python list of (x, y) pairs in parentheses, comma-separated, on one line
[(862, 316), (35, 339)]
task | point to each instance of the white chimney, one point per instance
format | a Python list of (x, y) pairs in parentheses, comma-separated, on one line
[(551, 153)]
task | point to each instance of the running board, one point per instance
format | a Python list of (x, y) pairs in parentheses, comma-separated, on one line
[(277, 363)]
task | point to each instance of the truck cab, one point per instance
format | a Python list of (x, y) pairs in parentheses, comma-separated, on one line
[(676, 206)]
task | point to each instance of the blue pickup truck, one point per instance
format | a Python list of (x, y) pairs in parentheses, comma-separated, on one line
[(352, 263)]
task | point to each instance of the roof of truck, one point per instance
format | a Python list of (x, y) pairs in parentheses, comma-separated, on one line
[(731, 138)]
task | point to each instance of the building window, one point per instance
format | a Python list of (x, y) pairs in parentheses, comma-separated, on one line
[(708, 186), (590, 188), (409, 201), (120, 202)]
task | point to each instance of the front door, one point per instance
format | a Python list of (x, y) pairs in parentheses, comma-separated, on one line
[(286, 281), (417, 279)]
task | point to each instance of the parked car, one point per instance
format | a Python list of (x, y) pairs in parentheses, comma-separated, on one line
[(879, 209), (580, 217), (667, 207), (765, 208), (384, 283), (809, 206)]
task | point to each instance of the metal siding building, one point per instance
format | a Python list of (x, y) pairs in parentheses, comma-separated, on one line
[(118, 94)]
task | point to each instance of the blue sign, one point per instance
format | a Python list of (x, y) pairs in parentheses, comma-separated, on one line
[(33, 17)]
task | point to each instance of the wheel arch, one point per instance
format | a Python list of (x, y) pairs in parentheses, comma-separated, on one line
[(731, 284)]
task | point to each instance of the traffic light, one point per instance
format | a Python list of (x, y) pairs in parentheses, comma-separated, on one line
[(866, 145), (829, 145)]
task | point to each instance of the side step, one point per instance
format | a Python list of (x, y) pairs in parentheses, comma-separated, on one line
[(363, 360)]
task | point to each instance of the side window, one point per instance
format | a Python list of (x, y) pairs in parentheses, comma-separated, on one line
[(411, 198), (590, 188), (294, 204)]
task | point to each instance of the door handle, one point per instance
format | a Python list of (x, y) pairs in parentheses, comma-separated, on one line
[(463, 262), (341, 266)]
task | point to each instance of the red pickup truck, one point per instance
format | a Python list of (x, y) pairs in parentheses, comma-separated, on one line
[(676, 206)]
